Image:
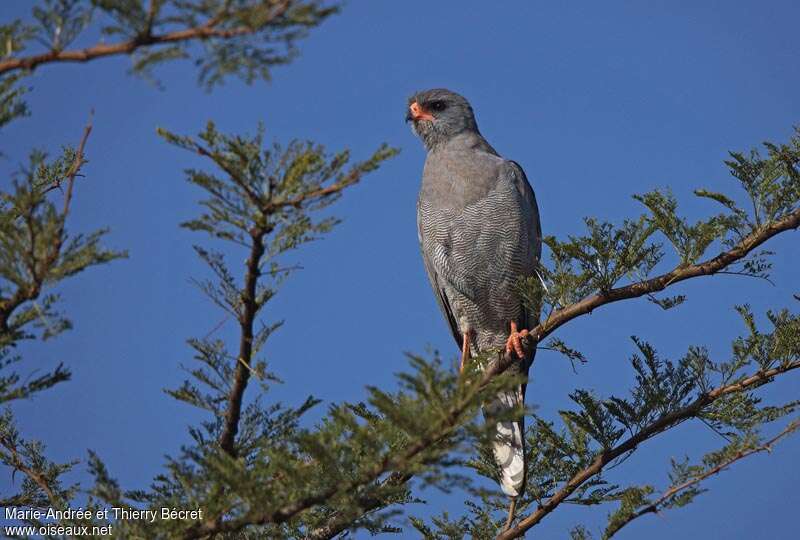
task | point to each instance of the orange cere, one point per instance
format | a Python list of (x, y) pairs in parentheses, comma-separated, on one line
[(418, 113)]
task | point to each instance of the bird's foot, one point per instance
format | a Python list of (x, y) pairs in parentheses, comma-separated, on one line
[(514, 342)]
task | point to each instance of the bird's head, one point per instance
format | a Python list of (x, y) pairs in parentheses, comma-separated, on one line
[(439, 114)]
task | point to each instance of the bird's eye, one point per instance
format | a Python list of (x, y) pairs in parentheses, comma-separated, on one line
[(438, 106)]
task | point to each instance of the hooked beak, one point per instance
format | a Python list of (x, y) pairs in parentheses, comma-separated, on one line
[(416, 113)]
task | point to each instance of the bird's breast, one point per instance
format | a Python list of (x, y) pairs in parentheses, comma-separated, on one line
[(456, 180)]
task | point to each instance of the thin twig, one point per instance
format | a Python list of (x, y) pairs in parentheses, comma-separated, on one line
[(715, 430), (674, 490), (745, 274), (217, 326)]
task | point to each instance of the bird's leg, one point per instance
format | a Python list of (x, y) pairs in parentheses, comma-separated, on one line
[(514, 340), (464, 351)]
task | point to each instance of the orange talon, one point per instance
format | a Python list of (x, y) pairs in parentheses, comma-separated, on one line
[(514, 340)]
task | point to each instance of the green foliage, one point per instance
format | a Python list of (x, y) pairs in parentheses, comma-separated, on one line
[(41, 485), (579, 532), (359, 454), (689, 241), (350, 471), (268, 200), (632, 499), (269, 188), (558, 345), (11, 104), (772, 184), (256, 36), (356, 455), (609, 256), (668, 302), (36, 252), (245, 39), (661, 387), (685, 478), (597, 261), (13, 37), (663, 390), (61, 21), (10, 386)]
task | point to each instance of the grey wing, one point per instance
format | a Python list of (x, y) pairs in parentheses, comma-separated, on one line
[(441, 296), (530, 212)]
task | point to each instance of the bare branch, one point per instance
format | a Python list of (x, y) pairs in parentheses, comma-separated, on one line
[(250, 307)]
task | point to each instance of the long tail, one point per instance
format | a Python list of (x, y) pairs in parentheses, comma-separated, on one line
[(509, 441)]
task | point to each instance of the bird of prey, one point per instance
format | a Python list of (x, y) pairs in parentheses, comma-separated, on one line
[(479, 232)]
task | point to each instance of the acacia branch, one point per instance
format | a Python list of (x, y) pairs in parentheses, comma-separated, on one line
[(16, 462), (681, 273), (674, 490), (316, 194), (72, 173), (250, 307), (254, 198), (662, 424), (266, 204), (32, 290), (208, 30), (250, 303), (390, 462), (339, 522)]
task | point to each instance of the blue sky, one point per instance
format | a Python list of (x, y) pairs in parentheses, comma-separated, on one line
[(597, 101)]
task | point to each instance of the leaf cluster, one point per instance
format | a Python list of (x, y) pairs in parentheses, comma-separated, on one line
[(36, 252), (244, 39), (608, 256)]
